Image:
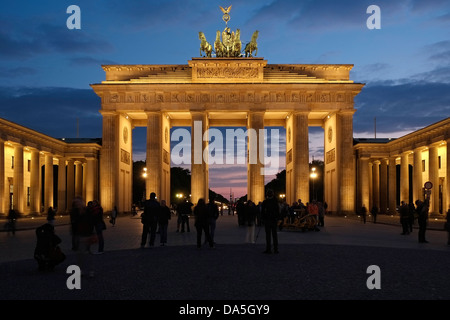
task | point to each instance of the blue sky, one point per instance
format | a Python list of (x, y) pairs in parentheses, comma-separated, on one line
[(46, 69)]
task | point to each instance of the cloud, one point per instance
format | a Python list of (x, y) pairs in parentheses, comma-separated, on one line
[(53, 111), (20, 44), (401, 107), (16, 72)]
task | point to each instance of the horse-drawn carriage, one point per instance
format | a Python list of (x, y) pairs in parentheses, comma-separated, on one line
[(300, 220)]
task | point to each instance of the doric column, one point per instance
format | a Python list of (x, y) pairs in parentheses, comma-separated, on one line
[(363, 182), (48, 180), (345, 162), (78, 179), (392, 186), (447, 178), (376, 183), (62, 205), (255, 178), (370, 177), (404, 177), (434, 178), (18, 192), (383, 185), (90, 179), (154, 154), (35, 185), (109, 159), (3, 198), (199, 168), (300, 156), (70, 182), (417, 175)]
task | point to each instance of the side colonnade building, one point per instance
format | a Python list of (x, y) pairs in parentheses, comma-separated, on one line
[(38, 171), (393, 170)]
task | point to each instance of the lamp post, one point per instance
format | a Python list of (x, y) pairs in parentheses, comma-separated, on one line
[(144, 175), (313, 176)]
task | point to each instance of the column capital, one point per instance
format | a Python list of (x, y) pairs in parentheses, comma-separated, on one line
[(108, 113)]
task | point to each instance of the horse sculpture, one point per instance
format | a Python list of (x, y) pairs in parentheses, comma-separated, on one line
[(205, 46), (252, 45), (237, 44), (219, 48)]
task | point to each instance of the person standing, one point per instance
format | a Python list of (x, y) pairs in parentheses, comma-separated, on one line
[(404, 217), (84, 229), (270, 215), (422, 211), (363, 213), (12, 217), (150, 220), (163, 222), (213, 215), (202, 223), (374, 212), (96, 211), (51, 215), (250, 221), (113, 216), (448, 225)]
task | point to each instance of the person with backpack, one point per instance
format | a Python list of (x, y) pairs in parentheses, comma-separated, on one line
[(270, 213)]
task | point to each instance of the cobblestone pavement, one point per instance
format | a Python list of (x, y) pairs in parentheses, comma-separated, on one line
[(331, 264)]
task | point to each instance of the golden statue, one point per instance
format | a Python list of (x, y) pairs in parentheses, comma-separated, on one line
[(251, 46), (226, 14), (205, 46)]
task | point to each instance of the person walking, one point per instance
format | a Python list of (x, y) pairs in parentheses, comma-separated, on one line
[(202, 223), (96, 211), (84, 229), (374, 212), (12, 218), (213, 215), (404, 217), (51, 215), (113, 216), (448, 225), (163, 222), (422, 211), (149, 219), (363, 213), (270, 215), (250, 220)]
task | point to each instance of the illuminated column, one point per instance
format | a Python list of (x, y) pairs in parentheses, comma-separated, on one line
[(199, 168), (18, 191), (35, 185), (78, 179), (417, 175), (434, 178), (383, 185), (300, 157), (154, 154), (90, 179), (447, 178), (62, 186), (109, 159), (255, 176), (70, 183), (345, 164), (370, 172), (404, 177), (48, 187), (376, 183), (392, 186), (363, 181), (2, 178)]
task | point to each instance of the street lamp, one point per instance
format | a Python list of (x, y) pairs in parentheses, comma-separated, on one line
[(282, 196), (313, 176), (144, 175)]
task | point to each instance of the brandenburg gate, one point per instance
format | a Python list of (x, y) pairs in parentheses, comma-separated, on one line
[(227, 91)]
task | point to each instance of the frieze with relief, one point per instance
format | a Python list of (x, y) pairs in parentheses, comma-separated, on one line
[(227, 72)]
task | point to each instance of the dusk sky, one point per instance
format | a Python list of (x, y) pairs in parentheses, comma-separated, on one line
[(46, 69)]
